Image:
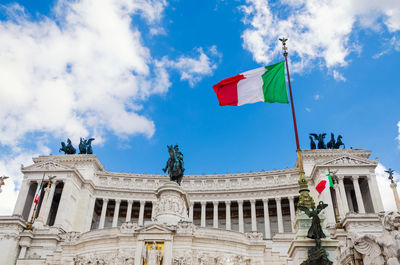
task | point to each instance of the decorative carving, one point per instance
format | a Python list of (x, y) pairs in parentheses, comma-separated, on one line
[(185, 227), (71, 237), (129, 227), (254, 235), (104, 259), (383, 249)]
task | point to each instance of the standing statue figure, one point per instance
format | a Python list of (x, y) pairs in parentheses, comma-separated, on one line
[(153, 256), (68, 149), (339, 143), (2, 181), (332, 142), (316, 255), (312, 144), (320, 138), (175, 165), (85, 146)]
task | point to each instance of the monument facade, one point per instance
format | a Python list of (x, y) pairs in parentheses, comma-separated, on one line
[(93, 216)]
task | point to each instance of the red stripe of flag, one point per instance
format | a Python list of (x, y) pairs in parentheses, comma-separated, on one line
[(226, 90), (321, 186)]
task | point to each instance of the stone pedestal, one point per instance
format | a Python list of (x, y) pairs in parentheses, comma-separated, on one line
[(172, 204), (298, 250)]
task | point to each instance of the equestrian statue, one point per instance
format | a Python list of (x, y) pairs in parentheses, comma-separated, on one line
[(68, 149), (175, 165)]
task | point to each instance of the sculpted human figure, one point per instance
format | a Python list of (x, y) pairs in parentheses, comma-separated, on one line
[(153, 256), (175, 165)]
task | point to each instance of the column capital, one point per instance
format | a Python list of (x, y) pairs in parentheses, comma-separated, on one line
[(340, 177), (291, 198), (117, 200), (278, 199), (265, 200), (130, 201), (215, 203), (142, 202), (191, 204), (252, 201), (105, 200), (203, 203), (356, 177), (240, 202), (227, 203)]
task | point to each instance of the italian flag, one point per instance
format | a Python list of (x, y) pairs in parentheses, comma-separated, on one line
[(37, 196), (326, 182), (265, 84)]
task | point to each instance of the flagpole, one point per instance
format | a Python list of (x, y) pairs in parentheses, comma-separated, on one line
[(29, 227), (305, 199)]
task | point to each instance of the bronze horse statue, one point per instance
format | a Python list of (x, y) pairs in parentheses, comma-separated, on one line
[(175, 165)]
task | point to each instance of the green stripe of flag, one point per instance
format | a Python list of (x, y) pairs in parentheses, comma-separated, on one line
[(274, 83)]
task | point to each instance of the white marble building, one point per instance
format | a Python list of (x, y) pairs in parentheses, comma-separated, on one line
[(93, 216)]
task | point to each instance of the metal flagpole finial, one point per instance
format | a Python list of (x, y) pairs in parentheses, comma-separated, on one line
[(284, 47)]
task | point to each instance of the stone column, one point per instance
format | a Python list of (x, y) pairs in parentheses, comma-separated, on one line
[(348, 196), (22, 195), (378, 198), (241, 222), (64, 218), (266, 220), (215, 214), (203, 214), (393, 185), (228, 215), (339, 202), (343, 195), (46, 204), (360, 202), (253, 215), (33, 204), (129, 211), (292, 212), (116, 213), (91, 209), (141, 212), (279, 213), (103, 213), (191, 211), (329, 211), (153, 208)]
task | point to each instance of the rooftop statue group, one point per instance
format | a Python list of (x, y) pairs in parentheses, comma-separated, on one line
[(85, 147), (175, 165), (332, 144)]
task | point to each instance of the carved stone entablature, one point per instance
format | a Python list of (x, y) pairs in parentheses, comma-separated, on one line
[(201, 183), (327, 154)]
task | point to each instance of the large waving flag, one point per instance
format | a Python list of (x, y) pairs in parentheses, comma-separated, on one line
[(326, 182), (265, 84)]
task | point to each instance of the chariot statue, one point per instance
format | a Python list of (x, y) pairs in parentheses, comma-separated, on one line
[(68, 149), (175, 165)]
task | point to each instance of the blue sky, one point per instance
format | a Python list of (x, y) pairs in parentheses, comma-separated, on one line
[(138, 75)]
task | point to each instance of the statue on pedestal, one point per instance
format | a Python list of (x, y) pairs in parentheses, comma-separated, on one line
[(175, 165), (152, 256), (316, 255)]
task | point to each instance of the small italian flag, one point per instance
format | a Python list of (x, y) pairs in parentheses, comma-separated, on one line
[(326, 182), (37, 196), (265, 84)]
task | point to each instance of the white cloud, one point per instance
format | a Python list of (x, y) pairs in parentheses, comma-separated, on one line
[(318, 31), (338, 76), (317, 96), (192, 69), (384, 187), (83, 71)]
